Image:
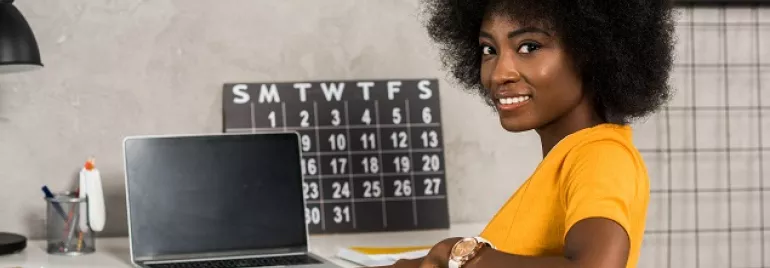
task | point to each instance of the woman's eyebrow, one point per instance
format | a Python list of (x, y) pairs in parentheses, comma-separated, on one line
[(485, 34), (517, 32)]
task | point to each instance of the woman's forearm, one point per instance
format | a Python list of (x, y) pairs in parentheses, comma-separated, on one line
[(489, 258)]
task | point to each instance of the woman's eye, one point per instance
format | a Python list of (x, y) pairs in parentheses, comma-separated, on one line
[(528, 48), (487, 50)]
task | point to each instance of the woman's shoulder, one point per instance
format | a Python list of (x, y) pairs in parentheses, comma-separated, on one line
[(607, 146), (605, 158), (604, 138)]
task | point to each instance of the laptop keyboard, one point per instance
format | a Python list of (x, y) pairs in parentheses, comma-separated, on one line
[(238, 263)]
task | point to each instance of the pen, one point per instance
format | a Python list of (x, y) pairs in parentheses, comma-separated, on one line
[(71, 231), (56, 205)]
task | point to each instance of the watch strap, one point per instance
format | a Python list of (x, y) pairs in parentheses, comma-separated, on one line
[(453, 264), (482, 240)]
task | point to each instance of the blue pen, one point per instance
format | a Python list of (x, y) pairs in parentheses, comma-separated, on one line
[(55, 204)]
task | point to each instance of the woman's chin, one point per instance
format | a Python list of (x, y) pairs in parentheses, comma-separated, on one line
[(515, 124)]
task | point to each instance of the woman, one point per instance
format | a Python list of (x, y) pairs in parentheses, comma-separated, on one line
[(577, 72)]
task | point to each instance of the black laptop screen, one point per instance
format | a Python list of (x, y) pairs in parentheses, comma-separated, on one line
[(208, 194)]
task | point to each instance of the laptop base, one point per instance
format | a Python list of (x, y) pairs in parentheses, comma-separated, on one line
[(274, 261)]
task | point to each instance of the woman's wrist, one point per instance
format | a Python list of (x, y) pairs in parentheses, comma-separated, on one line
[(440, 252)]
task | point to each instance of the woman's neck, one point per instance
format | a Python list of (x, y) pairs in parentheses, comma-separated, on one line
[(581, 117)]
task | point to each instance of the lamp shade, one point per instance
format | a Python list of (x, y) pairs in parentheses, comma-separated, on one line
[(18, 47)]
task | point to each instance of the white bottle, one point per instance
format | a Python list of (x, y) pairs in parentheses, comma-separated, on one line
[(91, 182), (82, 193)]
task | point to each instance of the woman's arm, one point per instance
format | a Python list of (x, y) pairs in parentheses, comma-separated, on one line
[(595, 242), (600, 190)]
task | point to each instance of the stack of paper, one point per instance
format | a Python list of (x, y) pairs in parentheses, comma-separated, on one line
[(368, 256)]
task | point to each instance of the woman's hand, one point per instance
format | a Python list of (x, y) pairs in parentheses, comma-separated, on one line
[(438, 256)]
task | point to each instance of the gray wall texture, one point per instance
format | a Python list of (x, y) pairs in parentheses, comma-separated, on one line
[(120, 67), (114, 68)]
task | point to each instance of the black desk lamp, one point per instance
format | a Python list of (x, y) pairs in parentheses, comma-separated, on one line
[(18, 47), (18, 53)]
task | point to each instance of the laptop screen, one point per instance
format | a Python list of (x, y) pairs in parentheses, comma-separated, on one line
[(214, 194)]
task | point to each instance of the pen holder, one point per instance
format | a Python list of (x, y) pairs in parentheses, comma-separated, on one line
[(65, 233)]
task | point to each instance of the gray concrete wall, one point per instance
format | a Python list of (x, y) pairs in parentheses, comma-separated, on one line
[(113, 68)]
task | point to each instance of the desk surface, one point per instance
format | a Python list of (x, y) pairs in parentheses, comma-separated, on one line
[(114, 252)]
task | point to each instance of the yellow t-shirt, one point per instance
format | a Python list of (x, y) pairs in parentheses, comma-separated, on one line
[(594, 172)]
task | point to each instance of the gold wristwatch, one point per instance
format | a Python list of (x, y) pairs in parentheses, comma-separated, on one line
[(465, 249)]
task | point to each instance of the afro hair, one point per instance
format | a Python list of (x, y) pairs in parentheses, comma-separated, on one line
[(621, 49)]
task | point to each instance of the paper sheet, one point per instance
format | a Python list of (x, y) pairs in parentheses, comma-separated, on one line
[(368, 256)]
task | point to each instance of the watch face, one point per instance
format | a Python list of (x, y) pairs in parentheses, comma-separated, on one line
[(464, 247)]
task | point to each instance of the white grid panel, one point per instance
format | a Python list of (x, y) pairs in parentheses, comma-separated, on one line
[(708, 151)]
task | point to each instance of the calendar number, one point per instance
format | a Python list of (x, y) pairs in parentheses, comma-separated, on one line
[(401, 164), (306, 143), (312, 215), (372, 189), (432, 186), (341, 214), (339, 165), (369, 141), (336, 117), (337, 142), (305, 116), (399, 139), (370, 164), (430, 163), (403, 188), (429, 138), (340, 190), (309, 166), (427, 118), (397, 115), (271, 117), (310, 190), (366, 118)]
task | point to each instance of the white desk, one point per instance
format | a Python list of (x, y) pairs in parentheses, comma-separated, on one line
[(114, 252)]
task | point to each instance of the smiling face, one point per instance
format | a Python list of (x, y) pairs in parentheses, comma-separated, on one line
[(528, 74)]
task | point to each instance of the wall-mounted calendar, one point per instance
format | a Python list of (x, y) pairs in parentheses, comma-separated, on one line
[(372, 150)]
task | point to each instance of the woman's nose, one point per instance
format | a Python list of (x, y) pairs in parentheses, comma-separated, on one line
[(505, 71)]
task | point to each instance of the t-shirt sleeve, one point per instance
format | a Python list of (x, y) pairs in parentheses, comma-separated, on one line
[(600, 182)]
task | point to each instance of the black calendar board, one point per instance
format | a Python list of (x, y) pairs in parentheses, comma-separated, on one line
[(372, 150)]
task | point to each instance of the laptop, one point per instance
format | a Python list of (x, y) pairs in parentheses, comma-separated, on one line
[(217, 200)]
